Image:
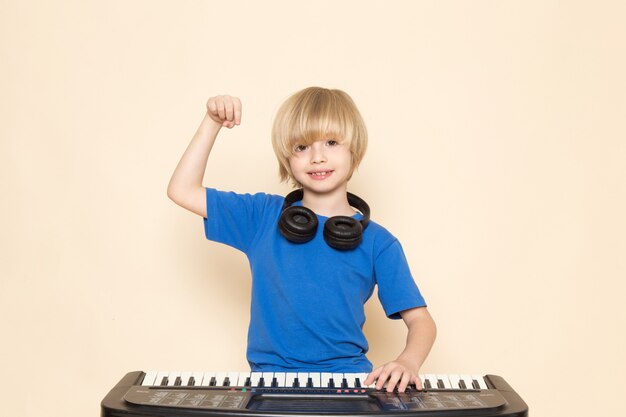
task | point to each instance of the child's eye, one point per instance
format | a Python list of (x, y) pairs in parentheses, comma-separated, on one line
[(300, 148), (332, 142)]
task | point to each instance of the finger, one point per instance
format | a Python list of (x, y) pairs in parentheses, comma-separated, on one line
[(393, 380), (418, 383), (237, 104), (221, 107), (382, 378), (372, 376), (404, 382), (212, 106), (229, 107)]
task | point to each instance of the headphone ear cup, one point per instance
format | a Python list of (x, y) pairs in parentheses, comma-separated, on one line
[(343, 232), (298, 224)]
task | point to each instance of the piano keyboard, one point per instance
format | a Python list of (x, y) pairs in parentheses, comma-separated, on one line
[(299, 380), (261, 394)]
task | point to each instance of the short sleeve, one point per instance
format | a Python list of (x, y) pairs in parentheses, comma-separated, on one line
[(397, 290), (233, 219)]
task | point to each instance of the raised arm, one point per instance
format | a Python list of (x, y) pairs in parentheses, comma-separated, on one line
[(185, 187)]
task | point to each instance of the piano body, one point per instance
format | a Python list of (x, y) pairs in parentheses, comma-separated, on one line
[(267, 394)]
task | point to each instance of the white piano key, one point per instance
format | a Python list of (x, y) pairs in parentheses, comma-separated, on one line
[(454, 381), (160, 376), (172, 378), (468, 381), (255, 377), (197, 377), (445, 380), (362, 378), (337, 379), (184, 379), (303, 378), (316, 378), (267, 378), (350, 379), (242, 378), (149, 378), (280, 379), (290, 378), (206, 378), (219, 378), (422, 378), (432, 379), (480, 380), (326, 377), (233, 378)]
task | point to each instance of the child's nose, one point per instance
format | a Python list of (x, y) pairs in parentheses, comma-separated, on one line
[(318, 155)]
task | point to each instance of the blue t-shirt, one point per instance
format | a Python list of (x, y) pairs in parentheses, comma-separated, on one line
[(307, 299)]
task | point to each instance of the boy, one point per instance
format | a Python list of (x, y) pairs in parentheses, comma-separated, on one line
[(309, 286)]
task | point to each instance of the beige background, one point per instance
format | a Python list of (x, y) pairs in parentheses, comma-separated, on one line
[(497, 157)]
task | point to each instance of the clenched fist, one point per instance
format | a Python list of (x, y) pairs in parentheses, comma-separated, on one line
[(225, 110)]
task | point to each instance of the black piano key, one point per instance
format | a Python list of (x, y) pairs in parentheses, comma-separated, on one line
[(344, 383), (274, 383), (226, 382), (440, 384), (475, 384), (165, 381), (309, 383), (296, 383), (212, 382), (248, 382), (331, 383), (192, 381), (357, 383), (462, 384), (261, 382), (427, 384), (178, 381)]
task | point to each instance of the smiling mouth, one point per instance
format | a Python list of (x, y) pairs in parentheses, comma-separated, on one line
[(320, 175)]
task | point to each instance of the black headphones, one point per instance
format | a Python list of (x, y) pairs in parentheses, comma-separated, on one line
[(298, 224)]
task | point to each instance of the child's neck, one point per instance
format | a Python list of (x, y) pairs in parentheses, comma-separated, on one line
[(329, 204)]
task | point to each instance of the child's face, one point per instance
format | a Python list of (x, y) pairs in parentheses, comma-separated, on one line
[(323, 166)]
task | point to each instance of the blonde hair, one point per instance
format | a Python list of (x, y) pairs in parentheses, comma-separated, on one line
[(314, 114)]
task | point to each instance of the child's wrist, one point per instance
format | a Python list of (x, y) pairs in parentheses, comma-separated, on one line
[(408, 359), (209, 122)]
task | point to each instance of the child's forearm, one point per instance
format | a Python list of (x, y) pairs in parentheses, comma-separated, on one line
[(422, 332), (185, 187), (404, 370)]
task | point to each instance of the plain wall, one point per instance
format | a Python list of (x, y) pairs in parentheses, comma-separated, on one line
[(497, 157)]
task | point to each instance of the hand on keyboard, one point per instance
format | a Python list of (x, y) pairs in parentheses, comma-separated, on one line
[(396, 373)]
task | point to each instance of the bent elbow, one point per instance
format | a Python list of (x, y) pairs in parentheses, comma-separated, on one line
[(434, 327), (176, 194), (192, 199), (171, 193)]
